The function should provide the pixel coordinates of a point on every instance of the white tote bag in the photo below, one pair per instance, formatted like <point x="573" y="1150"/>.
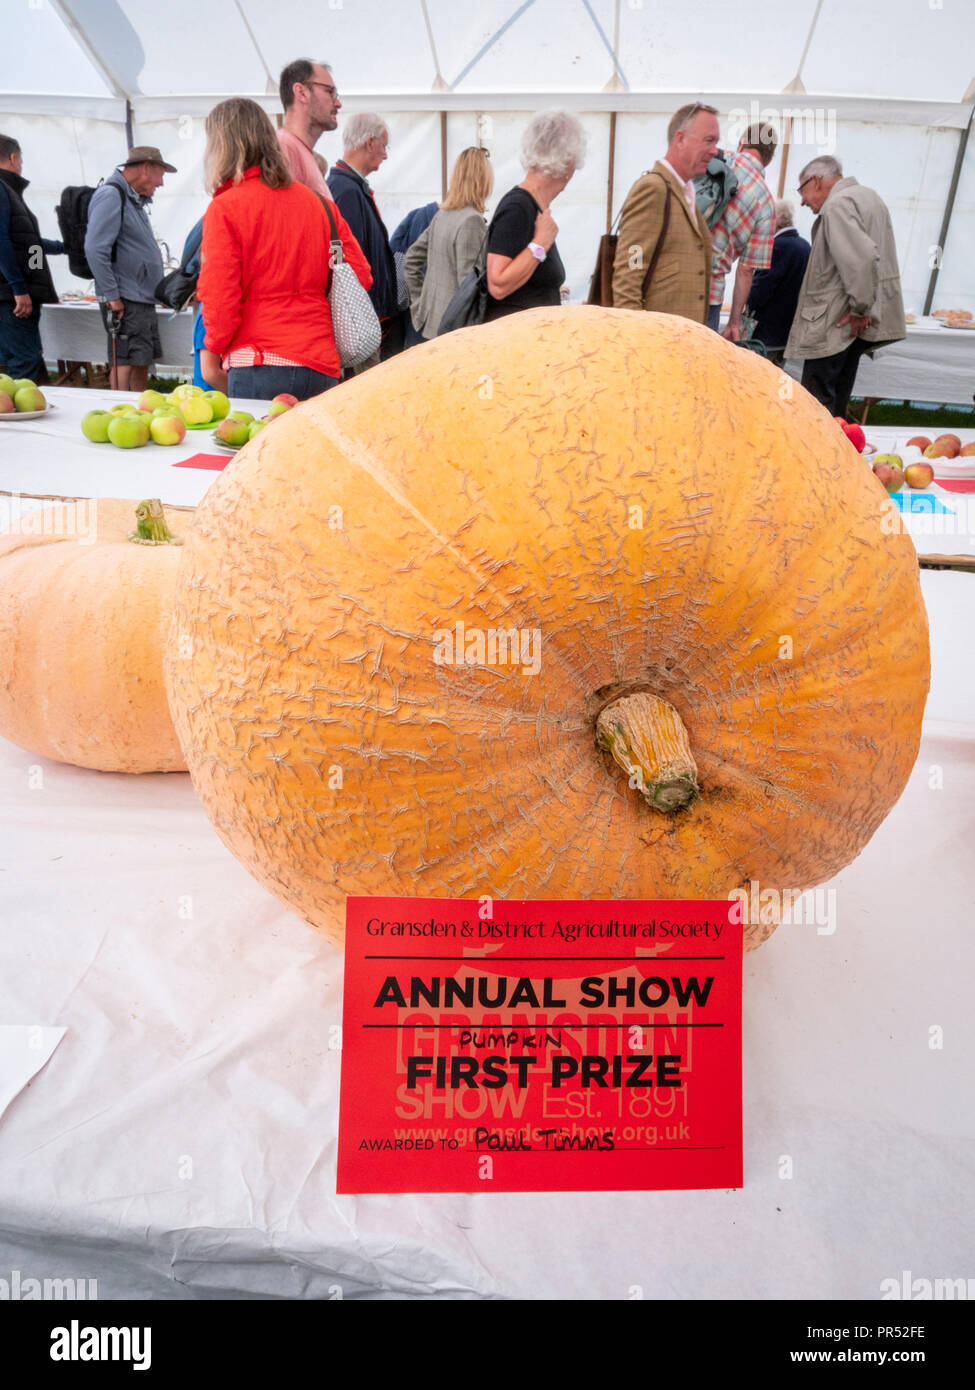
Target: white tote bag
<point x="355" y="324"/>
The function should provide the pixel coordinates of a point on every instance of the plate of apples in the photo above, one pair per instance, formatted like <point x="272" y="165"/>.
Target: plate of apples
<point x="21" y="400"/>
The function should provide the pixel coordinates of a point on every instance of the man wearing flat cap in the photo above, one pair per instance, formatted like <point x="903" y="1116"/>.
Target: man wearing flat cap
<point x="127" y="264"/>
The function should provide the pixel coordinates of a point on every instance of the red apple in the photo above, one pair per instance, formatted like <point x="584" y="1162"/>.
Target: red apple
<point x="967" y="450"/>
<point x="6" y="404"/>
<point x="233" y="432"/>
<point x="168" y="429"/>
<point x="921" y="441"/>
<point x="941" y="449"/>
<point x="285" y="399"/>
<point x="890" y="474"/>
<point x="919" y="475"/>
<point x="853" y="433"/>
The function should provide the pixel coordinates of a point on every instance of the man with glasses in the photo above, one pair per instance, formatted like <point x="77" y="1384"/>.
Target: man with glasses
<point x="364" y="139"/>
<point x="663" y="252"/>
<point x="850" y="302"/>
<point x="311" y="106"/>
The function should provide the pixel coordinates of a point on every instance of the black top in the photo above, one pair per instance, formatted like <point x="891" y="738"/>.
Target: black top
<point x="512" y="228"/>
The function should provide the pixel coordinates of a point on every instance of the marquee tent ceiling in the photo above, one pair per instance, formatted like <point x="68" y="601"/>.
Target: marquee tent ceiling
<point x="442" y="54"/>
<point x="888" y="85"/>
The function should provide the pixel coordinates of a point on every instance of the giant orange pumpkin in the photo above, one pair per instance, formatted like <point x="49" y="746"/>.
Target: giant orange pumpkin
<point x="416" y="616"/>
<point x="85" y="597"/>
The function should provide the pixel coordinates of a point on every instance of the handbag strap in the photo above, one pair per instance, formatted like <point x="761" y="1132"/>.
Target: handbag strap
<point x="661" y="238"/>
<point x="338" y="254"/>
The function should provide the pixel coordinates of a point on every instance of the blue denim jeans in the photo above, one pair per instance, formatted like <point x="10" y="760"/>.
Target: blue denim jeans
<point x="264" y="383"/>
<point x="20" y="345"/>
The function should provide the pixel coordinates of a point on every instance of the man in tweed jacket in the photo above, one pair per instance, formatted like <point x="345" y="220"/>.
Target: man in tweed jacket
<point x="681" y="279"/>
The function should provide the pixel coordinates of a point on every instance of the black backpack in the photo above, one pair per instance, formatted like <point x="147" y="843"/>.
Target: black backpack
<point x="72" y="214"/>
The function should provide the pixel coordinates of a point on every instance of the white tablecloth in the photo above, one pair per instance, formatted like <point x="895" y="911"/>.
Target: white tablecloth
<point x="180" y="1141"/>
<point x="75" y="333"/>
<point x="51" y="456"/>
<point x="933" y="363"/>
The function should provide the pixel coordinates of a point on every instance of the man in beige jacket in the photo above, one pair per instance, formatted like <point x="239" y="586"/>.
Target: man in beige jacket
<point x="850" y="299"/>
<point x="663" y="253"/>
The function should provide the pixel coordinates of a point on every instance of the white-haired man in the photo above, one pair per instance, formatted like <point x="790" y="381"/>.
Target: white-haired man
<point x="365" y="139"/>
<point x="311" y="106"/>
<point x="850" y="301"/>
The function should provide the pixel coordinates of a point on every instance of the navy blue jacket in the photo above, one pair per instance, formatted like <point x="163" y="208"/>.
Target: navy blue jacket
<point x="350" y="191"/>
<point x="775" y="292"/>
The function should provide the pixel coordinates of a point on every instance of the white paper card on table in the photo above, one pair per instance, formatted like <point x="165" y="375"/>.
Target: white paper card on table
<point x="24" y="1049"/>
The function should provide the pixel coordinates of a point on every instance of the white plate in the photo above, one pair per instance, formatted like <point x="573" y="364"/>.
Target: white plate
<point x="9" y="416"/>
<point x="227" y="448"/>
<point x="954" y="468"/>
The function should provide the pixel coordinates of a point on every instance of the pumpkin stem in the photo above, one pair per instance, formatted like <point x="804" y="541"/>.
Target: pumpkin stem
<point x="646" y="736"/>
<point x="150" y="525"/>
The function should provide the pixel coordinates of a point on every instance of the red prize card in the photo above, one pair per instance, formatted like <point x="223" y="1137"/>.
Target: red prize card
<point x="540" y="1046"/>
<point x="216" y="463"/>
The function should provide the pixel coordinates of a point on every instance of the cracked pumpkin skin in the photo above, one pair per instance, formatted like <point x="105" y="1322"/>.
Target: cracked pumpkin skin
<point x="490" y="478"/>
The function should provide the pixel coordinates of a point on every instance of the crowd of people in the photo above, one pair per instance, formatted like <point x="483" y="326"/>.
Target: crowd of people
<point x="264" y="248"/>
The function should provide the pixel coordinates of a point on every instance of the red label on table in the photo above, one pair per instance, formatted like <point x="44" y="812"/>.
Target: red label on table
<point x="550" y="1046"/>
<point x="216" y="462"/>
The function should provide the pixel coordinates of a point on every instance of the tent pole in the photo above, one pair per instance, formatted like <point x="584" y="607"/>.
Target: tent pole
<point x="443" y="155"/>
<point x="129" y="141"/>
<point x="787" y="136"/>
<point x="611" y="175"/>
<point x="949" y="207"/>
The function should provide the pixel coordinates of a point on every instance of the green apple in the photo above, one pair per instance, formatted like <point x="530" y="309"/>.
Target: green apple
<point x="124" y="408"/>
<point x="129" y="431"/>
<point x="150" y="401"/>
<point x="234" y="432"/>
<point x="255" y="427"/>
<point x="7" y="385"/>
<point x="219" y="403"/>
<point x="184" y="390"/>
<point x="276" y="408"/>
<point x="165" y="410"/>
<point x="195" y="410"/>
<point x="29" y="398"/>
<point x="244" y="415"/>
<point x="20" y="383"/>
<point x="95" y="425"/>
<point x="168" y="429"/>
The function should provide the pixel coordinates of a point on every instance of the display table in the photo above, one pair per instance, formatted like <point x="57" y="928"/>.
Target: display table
<point x="50" y="456"/>
<point x="74" y="332"/>
<point x="933" y="363"/>
<point x="178" y="1138"/>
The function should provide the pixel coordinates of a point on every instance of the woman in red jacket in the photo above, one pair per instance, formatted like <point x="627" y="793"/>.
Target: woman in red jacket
<point x="266" y="256"/>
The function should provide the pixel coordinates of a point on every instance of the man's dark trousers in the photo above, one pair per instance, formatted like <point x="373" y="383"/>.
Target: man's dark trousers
<point x="830" y="379"/>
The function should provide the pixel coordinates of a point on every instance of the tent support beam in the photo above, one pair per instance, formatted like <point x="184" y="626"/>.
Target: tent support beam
<point x="949" y="208"/>
<point x="611" y="173"/>
<point x="63" y="11"/>
<point x="443" y="155"/>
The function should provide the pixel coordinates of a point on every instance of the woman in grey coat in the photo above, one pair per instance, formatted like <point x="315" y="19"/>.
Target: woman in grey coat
<point x="438" y="261"/>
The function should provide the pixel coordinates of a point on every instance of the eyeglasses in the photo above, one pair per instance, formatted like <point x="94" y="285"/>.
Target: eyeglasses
<point x="805" y="181"/>
<point x="332" y="91"/>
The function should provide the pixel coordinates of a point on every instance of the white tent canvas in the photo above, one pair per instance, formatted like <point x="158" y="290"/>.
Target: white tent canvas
<point x="887" y="87"/>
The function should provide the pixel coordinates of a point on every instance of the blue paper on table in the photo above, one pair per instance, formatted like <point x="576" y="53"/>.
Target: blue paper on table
<point x="919" y="502"/>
